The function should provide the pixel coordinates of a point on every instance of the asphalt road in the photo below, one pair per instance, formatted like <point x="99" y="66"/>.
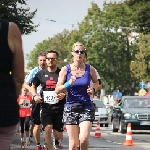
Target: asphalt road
<point x="107" y="141"/>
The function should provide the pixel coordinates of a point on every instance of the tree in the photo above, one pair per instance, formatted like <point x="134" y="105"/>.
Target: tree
<point x="141" y="65"/>
<point x="109" y="51"/>
<point x="140" y="14"/>
<point x="39" y="48"/>
<point x="13" y="10"/>
<point x="58" y="42"/>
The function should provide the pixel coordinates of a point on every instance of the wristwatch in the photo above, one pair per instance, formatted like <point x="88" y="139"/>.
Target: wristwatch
<point x="34" y="96"/>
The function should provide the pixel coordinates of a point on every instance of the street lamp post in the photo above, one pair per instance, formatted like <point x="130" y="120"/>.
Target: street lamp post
<point x="127" y="29"/>
<point x="130" y="39"/>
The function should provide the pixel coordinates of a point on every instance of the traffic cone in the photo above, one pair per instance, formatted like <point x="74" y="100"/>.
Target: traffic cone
<point x="128" y="141"/>
<point x="97" y="132"/>
<point x="65" y="128"/>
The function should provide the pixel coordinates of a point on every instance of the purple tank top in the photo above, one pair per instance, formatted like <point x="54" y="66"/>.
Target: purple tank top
<point x="78" y="90"/>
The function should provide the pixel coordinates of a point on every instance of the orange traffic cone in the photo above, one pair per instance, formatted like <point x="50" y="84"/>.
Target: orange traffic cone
<point x="128" y="141"/>
<point x="65" y="128"/>
<point x="97" y="132"/>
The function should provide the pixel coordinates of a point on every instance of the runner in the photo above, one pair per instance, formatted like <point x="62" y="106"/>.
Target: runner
<point x="52" y="104"/>
<point x="95" y="86"/>
<point x="79" y="111"/>
<point x="25" y="102"/>
<point x="36" y="107"/>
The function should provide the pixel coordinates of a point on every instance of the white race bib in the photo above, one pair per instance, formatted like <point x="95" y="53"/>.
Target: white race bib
<point x="50" y="97"/>
<point x="26" y="104"/>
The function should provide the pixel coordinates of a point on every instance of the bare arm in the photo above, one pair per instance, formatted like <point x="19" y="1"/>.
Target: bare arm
<point x="93" y="74"/>
<point x="37" y="98"/>
<point x="99" y="85"/>
<point x="61" y="79"/>
<point x="94" y="77"/>
<point x="15" y="44"/>
<point x="21" y="102"/>
<point x="33" y="89"/>
<point x="99" y="80"/>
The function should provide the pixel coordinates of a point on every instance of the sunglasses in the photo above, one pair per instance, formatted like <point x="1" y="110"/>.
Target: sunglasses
<point x="51" y="59"/>
<point x="79" y="51"/>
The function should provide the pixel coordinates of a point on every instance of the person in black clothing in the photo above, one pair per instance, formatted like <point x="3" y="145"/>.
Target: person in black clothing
<point x="11" y="80"/>
<point x="52" y="104"/>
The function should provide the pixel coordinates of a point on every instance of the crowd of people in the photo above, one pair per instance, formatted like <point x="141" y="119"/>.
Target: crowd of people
<point x="50" y="97"/>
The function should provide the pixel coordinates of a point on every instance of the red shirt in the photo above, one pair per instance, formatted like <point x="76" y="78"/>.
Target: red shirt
<point x="24" y="110"/>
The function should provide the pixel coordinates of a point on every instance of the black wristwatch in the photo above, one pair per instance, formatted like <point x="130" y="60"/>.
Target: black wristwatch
<point x="34" y="96"/>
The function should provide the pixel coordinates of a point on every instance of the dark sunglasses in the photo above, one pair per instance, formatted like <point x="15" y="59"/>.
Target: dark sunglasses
<point x="79" y="51"/>
<point x="51" y="59"/>
<point x="25" y="90"/>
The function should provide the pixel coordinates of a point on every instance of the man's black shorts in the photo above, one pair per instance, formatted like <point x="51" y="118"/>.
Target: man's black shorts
<point x="36" y="107"/>
<point x="50" y="116"/>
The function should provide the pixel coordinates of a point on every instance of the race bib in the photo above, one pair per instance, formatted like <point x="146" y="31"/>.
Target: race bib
<point x="26" y="104"/>
<point x="50" y="97"/>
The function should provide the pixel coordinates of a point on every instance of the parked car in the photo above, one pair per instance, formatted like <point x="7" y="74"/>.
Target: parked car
<point x="109" y="108"/>
<point x="101" y="113"/>
<point x="134" y="110"/>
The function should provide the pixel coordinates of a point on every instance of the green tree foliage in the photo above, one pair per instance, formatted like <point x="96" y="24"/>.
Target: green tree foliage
<point x="109" y="51"/>
<point x="140" y="14"/>
<point x="39" y="48"/>
<point x="58" y="42"/>
<point x="15" y="11"/>
<point x="141" y="65"/>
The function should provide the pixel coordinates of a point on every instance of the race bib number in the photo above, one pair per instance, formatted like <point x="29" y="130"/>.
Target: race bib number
<point x="26" y="104"/>
<point x="50" y="97"/>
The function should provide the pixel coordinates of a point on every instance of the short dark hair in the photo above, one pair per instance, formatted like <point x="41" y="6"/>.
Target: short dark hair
<point x="42" y="54"/>
<point x="53" y="51"/>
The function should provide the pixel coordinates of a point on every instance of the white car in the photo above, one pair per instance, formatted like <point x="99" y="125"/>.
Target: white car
<point x="109" y="108"/>
<point x="101" y="113"/>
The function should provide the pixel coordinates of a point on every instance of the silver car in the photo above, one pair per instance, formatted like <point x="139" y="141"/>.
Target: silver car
<point x="101" y="113"/>
<point x="109" y="108"/>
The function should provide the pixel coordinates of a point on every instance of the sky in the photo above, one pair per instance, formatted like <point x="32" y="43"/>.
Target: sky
<point x="66" y="13"/>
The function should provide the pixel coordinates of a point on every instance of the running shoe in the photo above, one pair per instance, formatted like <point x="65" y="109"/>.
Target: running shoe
<point x="58" y="144"/>
<point x="38" y="147"/>
<point x="78" y="148"/>
<point x="31" y="139"/>
<point x="55" y="143"/>
<point x="22" y="145"/>
<point x="27" y="143"/>
<point x="44" y="147"/>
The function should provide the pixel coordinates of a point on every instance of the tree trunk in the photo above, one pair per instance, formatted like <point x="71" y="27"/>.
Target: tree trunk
<point x="132" y="91"/>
